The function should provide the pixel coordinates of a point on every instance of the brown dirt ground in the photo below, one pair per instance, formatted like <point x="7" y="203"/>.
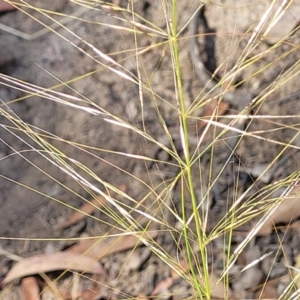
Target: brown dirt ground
<point x="49" y="60"/>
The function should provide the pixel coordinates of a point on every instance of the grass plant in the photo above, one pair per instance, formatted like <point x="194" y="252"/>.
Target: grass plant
<point x="157" y="209"/>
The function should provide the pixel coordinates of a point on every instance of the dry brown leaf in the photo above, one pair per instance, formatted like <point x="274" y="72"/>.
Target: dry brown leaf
<point x="4" y="6"/>
<point x="162" y="286"/>
<point x="218" y="290"/>
<point x="82" y="291"/>
<point x="109" y="245"/>
<point x="184" y="268"/>
<point x="30" y="289"/>
<point x="286" y="212"/>
<point x="295" y="272"/>
<point x="142" y="296"/>
<point x="209" y="110"/>
<point x="267" y="291"/>
<point x="53" y="262"/>
<point x="86" y="209"/>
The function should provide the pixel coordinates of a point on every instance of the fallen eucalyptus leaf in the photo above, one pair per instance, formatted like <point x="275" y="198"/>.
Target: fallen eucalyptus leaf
<point x="30" y="289"/>
<point x="53" y="262"/>
<point x="109" y="245"/>
<point x="287" y="211"/>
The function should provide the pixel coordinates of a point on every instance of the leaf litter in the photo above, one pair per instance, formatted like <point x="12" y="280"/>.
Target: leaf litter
<point x="109" y="245"/>
<point x="86" y="209"/>
<point x="287" y="211"/>
<point x="76" y="258"/>
<point x="44" y="263"/>
<point x="30" y="288"/>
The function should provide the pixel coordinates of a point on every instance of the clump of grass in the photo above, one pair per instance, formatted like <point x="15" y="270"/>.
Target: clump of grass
<point x="177" y="204"/>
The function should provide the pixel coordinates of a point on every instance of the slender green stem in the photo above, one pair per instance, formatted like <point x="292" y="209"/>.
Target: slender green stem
<point x="182" y="110"/>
